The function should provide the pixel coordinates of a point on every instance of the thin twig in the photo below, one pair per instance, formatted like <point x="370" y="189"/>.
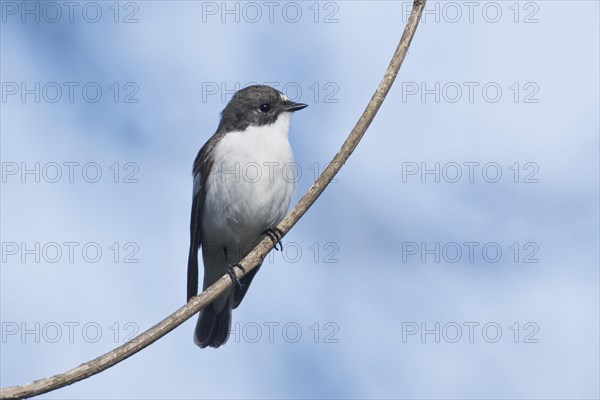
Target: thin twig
<point x="253" y="259"/>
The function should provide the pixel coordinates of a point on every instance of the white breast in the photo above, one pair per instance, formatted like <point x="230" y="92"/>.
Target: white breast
<point x="251" y="184"/>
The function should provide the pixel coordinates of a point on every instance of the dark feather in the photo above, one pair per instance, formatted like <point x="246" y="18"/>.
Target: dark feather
<point x="202" y="166"/>
<point x="212" y="328"/>
<point x="239" y="294"/>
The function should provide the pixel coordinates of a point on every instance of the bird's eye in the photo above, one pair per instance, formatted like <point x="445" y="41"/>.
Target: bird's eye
<point x="265" y="107"/>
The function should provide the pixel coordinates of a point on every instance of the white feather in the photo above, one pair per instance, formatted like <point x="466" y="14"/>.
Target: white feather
<point x="250" y="186"/>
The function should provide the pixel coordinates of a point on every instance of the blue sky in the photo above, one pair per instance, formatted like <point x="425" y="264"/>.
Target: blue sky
<point x="456" y="255"/>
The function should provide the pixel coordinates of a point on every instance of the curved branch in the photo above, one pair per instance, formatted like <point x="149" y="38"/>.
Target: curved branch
<point x="253" y="259"/>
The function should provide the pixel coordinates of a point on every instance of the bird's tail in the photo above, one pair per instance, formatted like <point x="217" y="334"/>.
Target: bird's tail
<point x="212" y="328"/>
<point x="214" y="321"/>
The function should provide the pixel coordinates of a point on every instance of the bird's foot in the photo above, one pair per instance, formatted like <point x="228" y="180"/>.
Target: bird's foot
<point x="234" y="278"/>
<point x="275" y="234"/>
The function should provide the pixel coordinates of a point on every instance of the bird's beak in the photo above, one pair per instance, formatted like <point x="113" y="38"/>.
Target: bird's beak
<point x="291" y="107"/>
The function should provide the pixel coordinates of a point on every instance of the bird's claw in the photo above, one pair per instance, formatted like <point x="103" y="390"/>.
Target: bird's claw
<point x="275" y="234"/>
<point x="234" y="278"/>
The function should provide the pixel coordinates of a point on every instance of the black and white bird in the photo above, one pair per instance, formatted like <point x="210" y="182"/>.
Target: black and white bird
<point x="242" y="190"/>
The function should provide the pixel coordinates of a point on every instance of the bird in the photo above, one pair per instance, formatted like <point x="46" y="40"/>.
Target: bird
<point x="241" y="191"/>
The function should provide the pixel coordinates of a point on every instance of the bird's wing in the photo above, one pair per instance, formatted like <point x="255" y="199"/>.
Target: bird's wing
<point x="202" y="167"/>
